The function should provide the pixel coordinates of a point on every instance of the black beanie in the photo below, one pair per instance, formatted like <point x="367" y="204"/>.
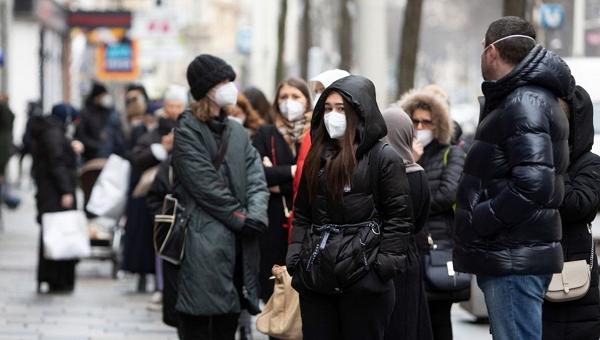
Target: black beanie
<point x="206" y="71"/>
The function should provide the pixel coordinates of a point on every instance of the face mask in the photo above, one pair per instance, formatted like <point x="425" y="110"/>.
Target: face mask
<point x="106" y="102"/>
<point x="317" y="96"/>
<point x="425" y="137"/>
<point x="240" y="120"/>
<point x="226" y="95"/>
<point x="292" y="110"/>
<point x="335" y="123"/>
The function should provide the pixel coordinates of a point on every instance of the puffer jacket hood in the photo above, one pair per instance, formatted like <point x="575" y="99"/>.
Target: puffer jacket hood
<point x="581" y="124"/>
<point x="440" y="112"/>
<point x="360" y="92"/>
<point x="539" y="68"/>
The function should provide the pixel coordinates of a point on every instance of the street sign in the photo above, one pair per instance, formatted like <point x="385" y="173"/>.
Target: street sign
<point x="551" y="16"/>
<point x="117" y="62"/>
<point x="1" y="58"/>
<point x="243" y="40"/>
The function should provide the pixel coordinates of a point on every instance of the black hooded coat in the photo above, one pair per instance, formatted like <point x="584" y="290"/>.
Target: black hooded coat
<point x="341" y="265"/>
<point x="578" y="319"/>
<point x="507" y="220"/>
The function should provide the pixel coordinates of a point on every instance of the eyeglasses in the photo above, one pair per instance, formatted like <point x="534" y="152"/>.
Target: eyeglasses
<point x="131" y="100"/>
<point x="425" y="123"/>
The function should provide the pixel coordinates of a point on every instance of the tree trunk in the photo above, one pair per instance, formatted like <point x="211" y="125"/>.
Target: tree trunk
<point x="280" y="40"/>
<point x="305" y="38"/>
<point x="409" y="46"/>
<point x="345" y="36"/>
<point x="515" y="8"/>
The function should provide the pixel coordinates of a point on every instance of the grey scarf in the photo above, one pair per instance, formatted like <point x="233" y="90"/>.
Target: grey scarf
<point x="400" y="135"/>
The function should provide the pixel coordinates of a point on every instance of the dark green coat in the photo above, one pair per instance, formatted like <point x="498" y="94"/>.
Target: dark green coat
<point x="222" y="200"/>
<point x="6" y="126"/>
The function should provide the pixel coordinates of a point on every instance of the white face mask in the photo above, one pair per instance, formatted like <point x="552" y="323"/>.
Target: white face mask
<point x="317" y="96"/>
<point x="425" y="137"/>
<point x="240" y="120"/>
<point x="335" y="123"/>
<point x="226" y="94"/>
<point x="292" y="110"/>
<point x="106" y="101"/>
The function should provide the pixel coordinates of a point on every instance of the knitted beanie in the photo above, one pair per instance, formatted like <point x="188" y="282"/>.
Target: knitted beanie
<point x="206" y="71"/>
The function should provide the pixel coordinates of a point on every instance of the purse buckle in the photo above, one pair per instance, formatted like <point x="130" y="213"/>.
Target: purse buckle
<point x="566" y="287"/>
<point x="450" y="267"/>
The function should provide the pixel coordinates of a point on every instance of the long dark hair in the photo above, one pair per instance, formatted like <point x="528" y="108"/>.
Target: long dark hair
<point x="339" y="168"/>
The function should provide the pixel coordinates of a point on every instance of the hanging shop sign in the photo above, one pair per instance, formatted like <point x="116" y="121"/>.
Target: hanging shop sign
<point x="551" y="16"/>
<point x="117" y="62"/>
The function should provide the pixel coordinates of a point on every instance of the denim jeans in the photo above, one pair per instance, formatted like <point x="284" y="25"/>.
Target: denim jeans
<point x="514" y="304"/>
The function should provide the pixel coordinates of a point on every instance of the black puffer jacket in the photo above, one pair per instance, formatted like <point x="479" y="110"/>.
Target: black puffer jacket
<point x="579" y="319"/>
<point x="340" y="264"/>
<point x="507" y="221"/>
<point x="443" y="165"/>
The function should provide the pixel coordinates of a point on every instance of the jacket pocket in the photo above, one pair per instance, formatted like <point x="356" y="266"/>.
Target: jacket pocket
<point x="358" y="251"/>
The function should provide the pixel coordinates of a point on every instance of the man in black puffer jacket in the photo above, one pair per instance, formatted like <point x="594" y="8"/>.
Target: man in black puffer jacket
<point x="507" y="225"/>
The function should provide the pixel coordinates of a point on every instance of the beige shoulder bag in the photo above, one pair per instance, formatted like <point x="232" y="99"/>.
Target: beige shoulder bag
<point x="281" y="316"/>
<point x="574" y="280"/>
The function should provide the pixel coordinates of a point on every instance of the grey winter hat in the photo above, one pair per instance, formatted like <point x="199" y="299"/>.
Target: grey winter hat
<point x="206" y="71"/>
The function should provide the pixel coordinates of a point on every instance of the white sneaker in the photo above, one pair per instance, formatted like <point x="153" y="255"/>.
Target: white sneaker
<point x="156" y="298"/>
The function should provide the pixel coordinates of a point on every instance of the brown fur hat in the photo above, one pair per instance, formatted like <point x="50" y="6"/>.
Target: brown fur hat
<point x="440" y="112"/>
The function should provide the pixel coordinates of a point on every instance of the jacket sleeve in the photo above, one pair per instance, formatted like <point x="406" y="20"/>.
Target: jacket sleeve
<point x="529" y="156"/>
<point x="394" y="200"/>
<point x="257" y="192"/>
<point x="194" y="170"/>
<point x="424" y="210"/>
<point x="82" y="134"/>
<point x="302" y="221"/>
<point x="141" y="155"/>
<point x="443" y="199"/>
<point x="53" y="144"/>
<point x="159" y="189"/>
<point x="582" y="197"/>
<point x="275" y="175"/>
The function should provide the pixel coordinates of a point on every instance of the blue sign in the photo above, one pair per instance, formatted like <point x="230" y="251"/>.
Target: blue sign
<point x="1" y="58"/>
<point x="552" y="16"/>
<point x="118" y="58"/>
<point x="243" y="40"/>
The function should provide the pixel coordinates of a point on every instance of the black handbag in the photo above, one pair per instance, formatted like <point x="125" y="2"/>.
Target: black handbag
<point x="170" y="226"/>
<point x="439" y="271"/>
<point x="169" y="234"/>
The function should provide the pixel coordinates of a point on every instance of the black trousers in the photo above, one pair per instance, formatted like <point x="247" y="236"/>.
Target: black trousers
<point x="441" y="323"/>
<point x="216" y="327"/>
<point x="353" y="315"/>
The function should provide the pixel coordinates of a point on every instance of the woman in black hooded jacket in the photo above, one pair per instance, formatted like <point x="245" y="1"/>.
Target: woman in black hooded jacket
<point x="353" y="218"/>
<point x="54" y="170"/>
<point x="578" y="319"/>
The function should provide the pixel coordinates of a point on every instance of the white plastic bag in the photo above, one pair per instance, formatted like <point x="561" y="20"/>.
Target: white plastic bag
<point x="109" y="194"/>
<point x="65" y="235"/>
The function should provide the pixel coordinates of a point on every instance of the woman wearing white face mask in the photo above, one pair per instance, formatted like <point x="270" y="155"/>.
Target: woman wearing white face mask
<point x="352" y="221"/>
<point x="443" y="164"/>
<point x="220" y="183"/>
<point x="278" y="145"/>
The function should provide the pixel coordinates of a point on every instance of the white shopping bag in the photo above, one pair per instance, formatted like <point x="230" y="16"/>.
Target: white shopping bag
<point x="65" y="235"/>
<point x="109" y="194"/>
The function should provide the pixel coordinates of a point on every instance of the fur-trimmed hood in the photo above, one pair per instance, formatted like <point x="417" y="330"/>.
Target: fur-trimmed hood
<point x="440" y="112"/>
